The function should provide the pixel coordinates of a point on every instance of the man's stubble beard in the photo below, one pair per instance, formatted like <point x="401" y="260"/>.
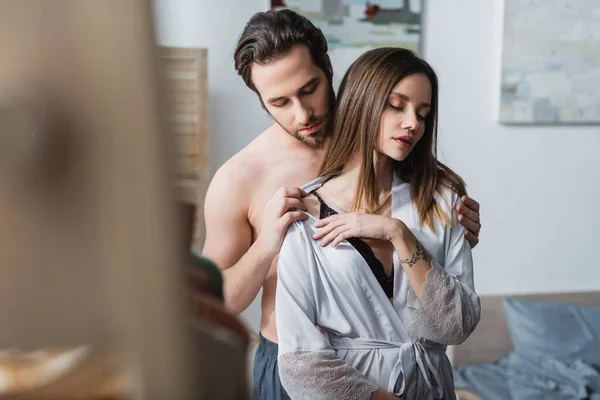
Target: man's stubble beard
<point x="316" y="139"/>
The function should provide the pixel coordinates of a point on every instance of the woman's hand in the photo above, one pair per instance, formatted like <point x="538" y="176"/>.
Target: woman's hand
<point x="340" y="227"/>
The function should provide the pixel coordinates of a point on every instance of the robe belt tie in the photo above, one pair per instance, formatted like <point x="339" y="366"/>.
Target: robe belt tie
<point x="411" y="353"/>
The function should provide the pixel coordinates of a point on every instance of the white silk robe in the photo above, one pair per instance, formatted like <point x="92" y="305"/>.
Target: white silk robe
<point x="340" y="337"/>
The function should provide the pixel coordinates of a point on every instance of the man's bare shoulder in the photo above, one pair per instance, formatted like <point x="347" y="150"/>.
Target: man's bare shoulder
<point x="244" y="171"/>
<point x="249" y="162"/>
<point x="264" y="148"/>
<point x="230" y="180"/>
<point x="256" y="158"/>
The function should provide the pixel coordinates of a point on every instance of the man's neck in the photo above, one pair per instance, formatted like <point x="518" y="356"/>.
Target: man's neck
<point x="290" y="142"/>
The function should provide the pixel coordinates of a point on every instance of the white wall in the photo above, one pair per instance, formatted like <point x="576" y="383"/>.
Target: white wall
<point x="537" y="185"/>
<point x="234" y="111"/>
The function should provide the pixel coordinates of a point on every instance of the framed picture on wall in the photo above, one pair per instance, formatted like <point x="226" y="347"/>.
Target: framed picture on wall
<point x="551" y="62"/>
<point x="352" y="27"/>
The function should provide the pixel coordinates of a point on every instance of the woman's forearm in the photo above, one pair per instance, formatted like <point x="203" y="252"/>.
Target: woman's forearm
<point x="414" y="259"/>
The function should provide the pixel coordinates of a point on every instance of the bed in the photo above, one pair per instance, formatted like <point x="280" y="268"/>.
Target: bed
<point x="483" y="362"/>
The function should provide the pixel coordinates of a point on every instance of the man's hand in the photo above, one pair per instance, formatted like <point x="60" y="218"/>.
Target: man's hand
<point x="280" y="211"/>
<point x="469" y="218"/>
<point x="231" y="238"/>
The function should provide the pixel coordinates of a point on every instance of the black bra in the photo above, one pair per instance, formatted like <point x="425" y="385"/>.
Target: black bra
<point x="386" y="282"/>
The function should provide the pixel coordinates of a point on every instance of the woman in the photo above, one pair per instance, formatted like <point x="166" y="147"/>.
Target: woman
<point x="378" y="280"/>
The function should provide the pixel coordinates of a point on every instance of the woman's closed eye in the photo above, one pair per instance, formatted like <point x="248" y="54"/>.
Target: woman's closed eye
<point x="400" y="107"/>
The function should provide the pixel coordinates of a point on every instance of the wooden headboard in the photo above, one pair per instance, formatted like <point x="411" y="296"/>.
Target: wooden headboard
<point x="491" y="339"/>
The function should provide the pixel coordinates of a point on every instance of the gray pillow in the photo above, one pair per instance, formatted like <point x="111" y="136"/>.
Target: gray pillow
<point x="564" y="332"/>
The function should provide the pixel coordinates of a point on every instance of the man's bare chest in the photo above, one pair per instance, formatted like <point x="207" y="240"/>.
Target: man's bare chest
<point x="270" y="183"/>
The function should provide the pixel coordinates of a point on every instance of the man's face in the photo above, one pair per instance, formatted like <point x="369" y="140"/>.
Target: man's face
<point x="297" y="94"/>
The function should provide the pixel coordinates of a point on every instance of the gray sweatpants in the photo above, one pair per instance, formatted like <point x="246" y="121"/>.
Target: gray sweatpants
<point x="267" y="385"/>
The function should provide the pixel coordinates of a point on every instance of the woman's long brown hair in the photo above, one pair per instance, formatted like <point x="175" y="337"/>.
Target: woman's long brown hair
<point x="362" y="98"/>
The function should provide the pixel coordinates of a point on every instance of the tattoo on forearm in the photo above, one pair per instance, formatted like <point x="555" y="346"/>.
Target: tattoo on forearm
<point x="420" y="254"/>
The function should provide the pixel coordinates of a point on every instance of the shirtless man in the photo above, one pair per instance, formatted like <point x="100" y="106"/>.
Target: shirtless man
<point x="254" y="196"/>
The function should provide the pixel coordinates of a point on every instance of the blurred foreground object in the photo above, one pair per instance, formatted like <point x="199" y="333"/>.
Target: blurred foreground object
<point x="90" y="243"/>
<point x="66" y="374"/>
<point x="206" y="293"/>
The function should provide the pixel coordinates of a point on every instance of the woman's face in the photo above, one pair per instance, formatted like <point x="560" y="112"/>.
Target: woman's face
<point x="403" y="120"/>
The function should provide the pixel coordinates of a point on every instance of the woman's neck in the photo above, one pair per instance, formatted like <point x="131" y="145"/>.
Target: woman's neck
<point x="345" y="183"/>
<point x="384" y="171"/>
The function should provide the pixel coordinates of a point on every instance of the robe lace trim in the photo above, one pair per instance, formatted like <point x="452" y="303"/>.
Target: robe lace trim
<point x="321" y="375"/>
<point x="444" y="312"/>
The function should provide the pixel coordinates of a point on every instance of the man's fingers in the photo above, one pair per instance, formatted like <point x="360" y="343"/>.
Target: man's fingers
<point x="470" y="225"/>
<point x="470" y="203"/>
<point x="294" y="192"/>
<point x="287" y="203"/>
<point x="292" y="216"/>
<point x="294" y="203"/>
<point x="468" y="213"/>
<point x="290" y="198"/>
<point x="473" y="240"/>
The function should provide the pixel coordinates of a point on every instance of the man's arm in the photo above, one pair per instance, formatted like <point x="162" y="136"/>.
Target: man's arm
<point x="228" y="242"/>
<point x="229" y="236"/>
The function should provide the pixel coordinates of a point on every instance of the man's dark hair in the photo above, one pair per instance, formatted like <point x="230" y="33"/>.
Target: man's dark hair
<point x="270" y="35"/>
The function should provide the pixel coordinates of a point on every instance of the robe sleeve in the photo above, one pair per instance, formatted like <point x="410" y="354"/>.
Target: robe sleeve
<point x="448" y="309"/>
<point x="309" y="367"/>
